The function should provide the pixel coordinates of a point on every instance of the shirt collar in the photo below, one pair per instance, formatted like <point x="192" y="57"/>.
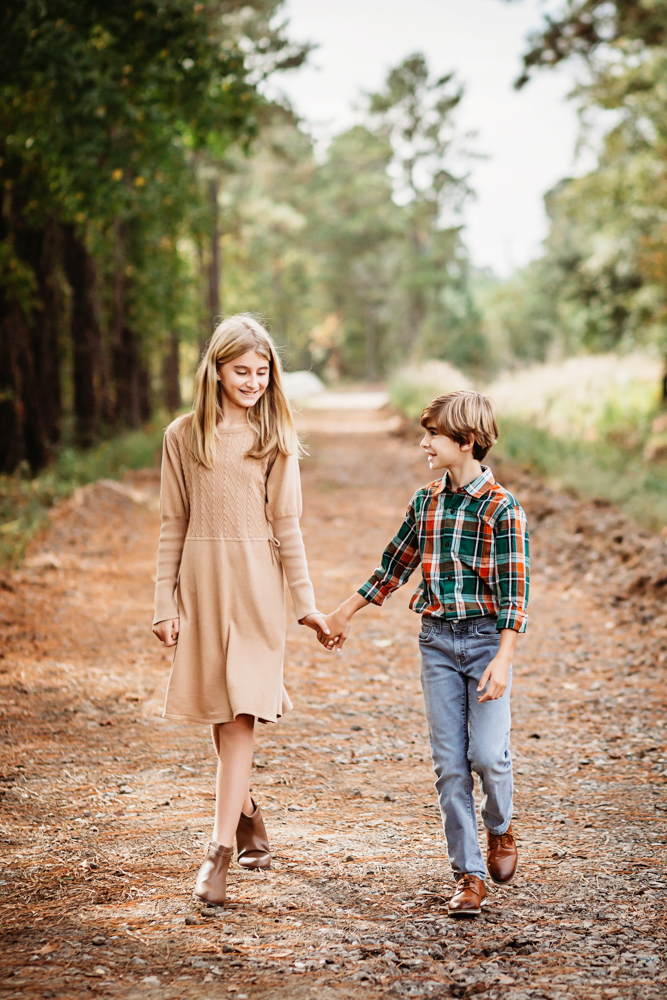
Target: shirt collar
<point x="477" y="488"/>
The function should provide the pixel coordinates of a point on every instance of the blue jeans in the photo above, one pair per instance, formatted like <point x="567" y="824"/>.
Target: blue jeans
<point x="466" y="736"/>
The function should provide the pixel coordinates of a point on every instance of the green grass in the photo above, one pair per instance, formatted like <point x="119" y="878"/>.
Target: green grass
<point x="25" y="501"/>
<point x="592" y="469"/>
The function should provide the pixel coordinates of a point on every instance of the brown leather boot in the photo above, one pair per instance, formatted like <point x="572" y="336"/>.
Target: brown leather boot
<point x="252" y="840"/>
<point x="211" y="884"/>
<point x="501" y="856"/>
<point x="469" y="896"/>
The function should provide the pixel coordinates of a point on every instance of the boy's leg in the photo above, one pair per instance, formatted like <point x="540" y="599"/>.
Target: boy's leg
<point x="490" y="722"/>
<point x="446" y="696"/>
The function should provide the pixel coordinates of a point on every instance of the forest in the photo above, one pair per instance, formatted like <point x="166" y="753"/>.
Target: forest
<point x="150" y="187"/>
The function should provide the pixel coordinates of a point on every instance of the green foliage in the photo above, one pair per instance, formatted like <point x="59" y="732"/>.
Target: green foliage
<point x="114" y="118"/>
<point x="602" y="281"/>
<point x="25" y="501"/>
<point x="356" y="259"/>
<point x="600" y="469"/>
<point x="585" y="27"/>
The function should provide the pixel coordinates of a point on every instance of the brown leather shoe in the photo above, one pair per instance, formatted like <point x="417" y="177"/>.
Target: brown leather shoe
<point x="469" y="897"/>
<point x="211" y="884"/>
<point x="252" y="840"/>
<point x="501" y="856"/>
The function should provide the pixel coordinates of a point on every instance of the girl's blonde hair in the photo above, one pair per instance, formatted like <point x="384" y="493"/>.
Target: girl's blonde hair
<point x="270" y="417"/>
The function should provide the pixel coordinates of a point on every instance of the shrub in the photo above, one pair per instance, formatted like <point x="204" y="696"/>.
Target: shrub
<point x="412" y="387"/>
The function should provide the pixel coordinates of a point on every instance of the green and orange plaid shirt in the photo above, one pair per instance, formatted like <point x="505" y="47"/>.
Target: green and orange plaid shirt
<point x="473" y="547"/>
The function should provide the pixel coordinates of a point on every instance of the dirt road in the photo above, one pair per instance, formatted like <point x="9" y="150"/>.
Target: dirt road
<point x="106" y="807"/>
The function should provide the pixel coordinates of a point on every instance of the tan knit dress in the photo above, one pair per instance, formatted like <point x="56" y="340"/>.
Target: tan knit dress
<point x="228" y="534"/>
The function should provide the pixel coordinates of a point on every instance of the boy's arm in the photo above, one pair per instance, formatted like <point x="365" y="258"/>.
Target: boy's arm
<point x="512" y="567"/>
<point x="512" y="563"/>
<point x="497" y="674"/>
<point x="399" y="560"/>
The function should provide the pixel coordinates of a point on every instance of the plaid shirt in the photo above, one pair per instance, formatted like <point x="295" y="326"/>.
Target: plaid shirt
<point x="473" y="547"/>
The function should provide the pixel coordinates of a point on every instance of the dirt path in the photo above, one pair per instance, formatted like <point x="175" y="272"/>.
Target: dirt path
<point x="107" y="807"/>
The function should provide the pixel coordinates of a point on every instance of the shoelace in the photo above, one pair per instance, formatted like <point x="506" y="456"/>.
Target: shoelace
<point x="465" y="882"/>
<point x="505" y="839"/>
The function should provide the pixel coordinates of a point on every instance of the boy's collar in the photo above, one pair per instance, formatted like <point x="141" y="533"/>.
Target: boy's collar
<point x="477" y="488"/>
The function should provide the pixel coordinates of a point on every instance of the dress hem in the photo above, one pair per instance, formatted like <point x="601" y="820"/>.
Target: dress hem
<point x="217" y="722"/>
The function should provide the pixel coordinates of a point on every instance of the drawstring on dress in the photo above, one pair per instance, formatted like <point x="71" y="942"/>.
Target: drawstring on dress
<point x="275" y="545"/>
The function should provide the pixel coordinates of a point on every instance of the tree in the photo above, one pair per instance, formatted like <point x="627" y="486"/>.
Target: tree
<point x="105" y="107"/>
<point x="590" y="28"/>
<point x="606" y="252"/>
<point x="416" y="114"/>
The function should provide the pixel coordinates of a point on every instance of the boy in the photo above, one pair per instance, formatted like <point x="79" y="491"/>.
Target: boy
<point x="471" y="538"/>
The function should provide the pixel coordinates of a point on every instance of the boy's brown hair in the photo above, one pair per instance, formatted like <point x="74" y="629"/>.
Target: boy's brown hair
<point x="462" y="413"/>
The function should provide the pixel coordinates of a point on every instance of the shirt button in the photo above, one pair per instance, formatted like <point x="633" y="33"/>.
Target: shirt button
<point x="451" y="607"/>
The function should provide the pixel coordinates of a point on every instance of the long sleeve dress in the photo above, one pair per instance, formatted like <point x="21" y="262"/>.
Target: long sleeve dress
<point x="230" y="535"/>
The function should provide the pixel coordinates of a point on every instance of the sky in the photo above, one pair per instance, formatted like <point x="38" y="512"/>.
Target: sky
<point x="528" y="138"/>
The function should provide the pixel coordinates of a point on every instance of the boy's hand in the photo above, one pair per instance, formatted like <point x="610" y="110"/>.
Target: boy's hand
<point x="497" y="676"/>
<point x="167" y="631"/>
<point x="316" y="621"/>
<point x="338" y="629"/>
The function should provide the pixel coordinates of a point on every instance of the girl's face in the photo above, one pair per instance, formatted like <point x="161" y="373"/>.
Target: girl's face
<point x="245" y="379"/>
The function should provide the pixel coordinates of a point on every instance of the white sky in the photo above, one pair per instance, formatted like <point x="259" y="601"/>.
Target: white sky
<point x="529" y="137"/>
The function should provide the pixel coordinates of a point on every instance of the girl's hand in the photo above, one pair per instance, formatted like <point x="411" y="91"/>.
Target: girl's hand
<point x="338" y="629"/>
<point x="167" y="631"/>
<point x="316" y="621"/>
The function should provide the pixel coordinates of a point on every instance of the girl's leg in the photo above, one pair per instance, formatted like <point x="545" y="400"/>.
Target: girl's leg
<point x="234" y="743"/>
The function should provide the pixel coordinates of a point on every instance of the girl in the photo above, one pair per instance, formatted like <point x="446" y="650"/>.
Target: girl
<point x="230" y="506"/>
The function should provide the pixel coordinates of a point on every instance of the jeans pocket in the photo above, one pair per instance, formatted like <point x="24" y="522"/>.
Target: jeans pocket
<point x="427" y="633"/>
<point x="487" y="630"/>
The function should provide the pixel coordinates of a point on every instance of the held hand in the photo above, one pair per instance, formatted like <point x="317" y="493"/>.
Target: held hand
<point x="338" y="629"/>
<point x="167" y="631"/>
<point x="497" y="676"/>
<point x="316" y="621"/>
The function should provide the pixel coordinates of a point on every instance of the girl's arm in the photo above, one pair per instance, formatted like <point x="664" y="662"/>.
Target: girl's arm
<point x="339" y="622"/>
<point x="175" y="512"/>
<point x="283" y="510"/>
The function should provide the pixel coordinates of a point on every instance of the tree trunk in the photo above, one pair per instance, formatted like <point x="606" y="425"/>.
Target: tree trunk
<point x="214" y="257"/>
<point x="87" y="348"/>
<point x="202" y="299"/>
<point x="170" y="375"/>
<point x="46" y="320"/>
<point x="23" y="435"/>
<point x="371" y="346"/>
<point x="131" y="378"/>
<point x="30" y="400"/>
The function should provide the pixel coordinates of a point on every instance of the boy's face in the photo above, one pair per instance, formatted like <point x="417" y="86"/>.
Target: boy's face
<point x="442" y="451"/>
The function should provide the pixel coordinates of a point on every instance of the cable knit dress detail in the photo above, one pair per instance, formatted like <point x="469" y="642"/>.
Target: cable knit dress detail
<point x="230" y="535"/>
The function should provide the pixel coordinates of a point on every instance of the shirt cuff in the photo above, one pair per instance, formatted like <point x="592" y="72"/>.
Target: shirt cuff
<point x="374" y="592"/>
<point x="514" y="618"/>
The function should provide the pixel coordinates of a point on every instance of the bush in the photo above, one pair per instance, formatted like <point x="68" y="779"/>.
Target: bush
<point x="589" y="468"/>
<point x="411" y="388"/>
<point x="25" y="501"/>
<point x="584" y="398"/>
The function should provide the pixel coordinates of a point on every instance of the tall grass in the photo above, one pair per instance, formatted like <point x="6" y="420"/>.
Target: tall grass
<point x="587" y="398"/>
<point x="412" y="387"/>
<point x="584" y="424"/>
<point x="25" y="501"/>
<point x="600" y="469"/>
